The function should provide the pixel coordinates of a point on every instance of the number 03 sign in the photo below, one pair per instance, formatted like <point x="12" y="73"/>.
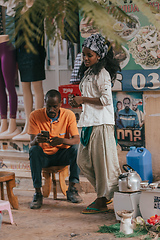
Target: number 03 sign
<point x="140" y="80"/>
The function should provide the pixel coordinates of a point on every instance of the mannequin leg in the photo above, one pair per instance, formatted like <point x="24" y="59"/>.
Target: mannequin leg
<point x="8" y="72"/>
<point x="28" y="103"/>
<point x="3" y="105"/>
<point x="28" y="106"/>
<point x="12" y="125"/>
<point x="39" y="95"/>
<point x="4" y="125"/>
<point x="3" y="102"/>
<point x="12" y="130"/>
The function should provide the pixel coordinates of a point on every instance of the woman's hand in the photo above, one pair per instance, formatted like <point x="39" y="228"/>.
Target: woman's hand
<point x="73" y="102"/>
<point x="78" y="100"/>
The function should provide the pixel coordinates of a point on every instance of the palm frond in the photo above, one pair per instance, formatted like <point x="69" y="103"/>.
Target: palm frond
<point x="61" y="18"/>
<point x="102" y="19"/>
<point x="28" y="26"/>
<point x="148" y="10"/>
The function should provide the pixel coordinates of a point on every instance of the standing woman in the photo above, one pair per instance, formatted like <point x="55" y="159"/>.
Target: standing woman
<point x="97" y="156"/>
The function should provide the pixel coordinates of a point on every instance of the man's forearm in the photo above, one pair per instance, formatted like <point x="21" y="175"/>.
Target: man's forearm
<point x="58" y="141"/>
<point x="34" y="141"/>
<point x="71" y="141"/>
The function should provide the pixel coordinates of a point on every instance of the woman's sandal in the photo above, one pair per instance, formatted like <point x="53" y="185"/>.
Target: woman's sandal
<point x="109" y="202"/>
<point x="90" y="210"/>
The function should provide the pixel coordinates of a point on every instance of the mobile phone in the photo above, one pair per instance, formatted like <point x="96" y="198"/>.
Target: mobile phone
<point x="45" y="133"/>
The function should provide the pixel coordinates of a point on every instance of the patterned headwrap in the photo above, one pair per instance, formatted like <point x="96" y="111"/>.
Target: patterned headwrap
<point x="96" y="43"/>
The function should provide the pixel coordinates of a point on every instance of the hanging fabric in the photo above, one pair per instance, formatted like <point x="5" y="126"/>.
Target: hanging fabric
<point x="1" y="23"/>
<point x="70" y="54"/>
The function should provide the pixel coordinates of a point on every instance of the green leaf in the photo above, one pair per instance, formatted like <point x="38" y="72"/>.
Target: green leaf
<point x="61" y="18"/>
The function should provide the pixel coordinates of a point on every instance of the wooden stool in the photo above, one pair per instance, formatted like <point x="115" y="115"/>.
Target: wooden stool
<point x="63" y="173"/>
<point x="9" y="178"/>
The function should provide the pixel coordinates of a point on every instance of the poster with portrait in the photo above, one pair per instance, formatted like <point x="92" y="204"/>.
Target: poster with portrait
<point x="129" y="119"/>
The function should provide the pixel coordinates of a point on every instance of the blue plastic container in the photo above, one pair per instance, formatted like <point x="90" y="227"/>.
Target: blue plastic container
<point x="140" y="160"/>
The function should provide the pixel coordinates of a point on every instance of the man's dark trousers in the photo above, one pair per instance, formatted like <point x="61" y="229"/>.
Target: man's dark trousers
<point x="63" y="157"/>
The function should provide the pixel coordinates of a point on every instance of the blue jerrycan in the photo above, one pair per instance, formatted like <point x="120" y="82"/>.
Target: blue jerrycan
<point x="140" y="160"/>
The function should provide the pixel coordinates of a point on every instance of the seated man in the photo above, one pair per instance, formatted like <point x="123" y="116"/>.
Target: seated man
<point x="59" y="149"/>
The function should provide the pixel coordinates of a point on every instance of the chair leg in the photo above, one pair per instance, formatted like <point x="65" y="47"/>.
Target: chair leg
<point x="10" y="213"/>
<point x="54" y="186"/>
<point x="2" y="191"/>
<point x="62" y="176"/>
<point x="46" y="188"/>
<point x="12" y="198"/>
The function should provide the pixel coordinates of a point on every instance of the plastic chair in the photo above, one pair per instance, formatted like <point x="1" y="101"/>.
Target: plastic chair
<point x="5" y="205"/>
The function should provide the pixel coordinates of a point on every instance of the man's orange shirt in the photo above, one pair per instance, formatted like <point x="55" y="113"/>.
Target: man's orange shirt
<point x="64" y="127"/>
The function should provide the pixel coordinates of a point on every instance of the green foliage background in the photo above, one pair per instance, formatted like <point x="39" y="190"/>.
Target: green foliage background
<point x="61" y="18"/>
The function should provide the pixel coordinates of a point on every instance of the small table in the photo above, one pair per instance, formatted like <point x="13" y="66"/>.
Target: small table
<point x="9" y="178"/>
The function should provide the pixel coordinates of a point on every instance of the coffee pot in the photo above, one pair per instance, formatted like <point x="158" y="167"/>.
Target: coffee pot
<point x="126" y="225"/>
<point x="129" y="181"/>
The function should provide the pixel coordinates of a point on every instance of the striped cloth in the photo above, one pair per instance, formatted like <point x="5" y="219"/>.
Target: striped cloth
<point x="74" y="79"/>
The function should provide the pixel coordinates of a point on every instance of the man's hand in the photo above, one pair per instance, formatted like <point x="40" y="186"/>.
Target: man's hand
<point x="40" y="138"/>
<point x="55" y="141"/>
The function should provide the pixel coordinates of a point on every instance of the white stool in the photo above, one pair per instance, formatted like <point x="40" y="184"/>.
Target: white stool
<point x="5" y="205"/>
<point x="126" y="201"/>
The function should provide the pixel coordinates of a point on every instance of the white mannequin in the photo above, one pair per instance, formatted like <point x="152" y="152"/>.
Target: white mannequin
<point x="28" y="95"/>
<point x="7" y="131"/>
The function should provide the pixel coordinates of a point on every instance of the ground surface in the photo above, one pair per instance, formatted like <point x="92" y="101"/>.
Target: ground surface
<point x="56" y="220"/>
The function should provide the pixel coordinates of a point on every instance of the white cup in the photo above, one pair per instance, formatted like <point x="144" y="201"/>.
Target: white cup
<point x="153" y="185"/>
<point x="144" y="184"/>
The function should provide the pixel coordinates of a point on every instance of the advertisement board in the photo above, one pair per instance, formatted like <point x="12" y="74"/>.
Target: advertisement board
<point x="139" y="57"/>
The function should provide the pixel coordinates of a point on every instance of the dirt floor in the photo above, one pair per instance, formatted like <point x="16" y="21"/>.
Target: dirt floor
<point x="57" y="219"/>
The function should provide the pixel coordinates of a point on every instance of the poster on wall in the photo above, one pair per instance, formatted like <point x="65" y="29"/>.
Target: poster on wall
<point x="139" y="57"/>
<point x="129" y="119"/>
